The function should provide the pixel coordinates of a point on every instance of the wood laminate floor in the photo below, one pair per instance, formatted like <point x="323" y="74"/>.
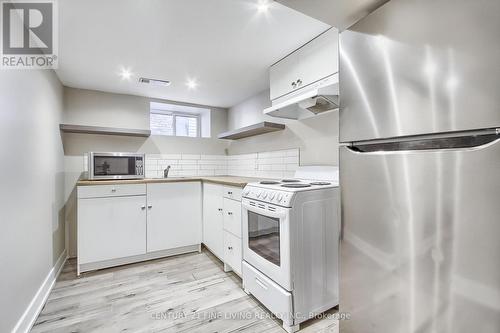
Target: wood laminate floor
<point x="187" y="293"/>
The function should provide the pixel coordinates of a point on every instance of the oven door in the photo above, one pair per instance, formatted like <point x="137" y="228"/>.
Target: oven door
<point x="116" y="166"/>
<point x="266" y="240"/>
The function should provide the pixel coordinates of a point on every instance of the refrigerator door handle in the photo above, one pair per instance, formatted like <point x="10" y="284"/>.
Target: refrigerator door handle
<point x="462" y="143"/>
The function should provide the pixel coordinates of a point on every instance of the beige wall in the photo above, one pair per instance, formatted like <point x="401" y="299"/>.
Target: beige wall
<point x="317" y="137"/>
<point x="88" y="107"/>
<point x="32" y="186"/>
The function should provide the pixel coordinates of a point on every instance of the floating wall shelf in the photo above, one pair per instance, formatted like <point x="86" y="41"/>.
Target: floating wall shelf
<point x="104" y="130"/>
<point x="257" y="129"/>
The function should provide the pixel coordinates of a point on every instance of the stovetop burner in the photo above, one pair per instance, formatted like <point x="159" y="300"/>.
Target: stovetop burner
<point x="296" y="185"/>
<point x="269" y="182"/>
<point x="290" y="180"/>
<point x="320" y="183"/>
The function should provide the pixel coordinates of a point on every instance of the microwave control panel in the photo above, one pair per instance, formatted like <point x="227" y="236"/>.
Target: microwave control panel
<point x="139" y="166"/>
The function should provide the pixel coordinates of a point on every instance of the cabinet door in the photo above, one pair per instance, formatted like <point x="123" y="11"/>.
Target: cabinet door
<point x="283" y="75"/>
<point x="213" y="219"/>
<point x="232" y="216"/>
<point x="232" y="251"/>
<point x="232" y="192"/>
<point x="174" y="215"/>
<point x="318" y="59"/>
<point x="111" y="228"/>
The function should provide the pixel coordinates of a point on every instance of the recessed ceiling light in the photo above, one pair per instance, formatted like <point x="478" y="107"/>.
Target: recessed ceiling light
<point x="263" y="6"/>
<point x="126" y="74"/>
<point x="155" y="82"/>
<point x="192" y="83"/>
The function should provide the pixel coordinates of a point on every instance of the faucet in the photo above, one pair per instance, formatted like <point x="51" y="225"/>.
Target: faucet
<point x="165" y="172"/>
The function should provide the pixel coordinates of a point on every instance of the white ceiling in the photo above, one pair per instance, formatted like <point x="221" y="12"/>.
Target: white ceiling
<point x="339" y="13"/>
<point x="226" y="45"/>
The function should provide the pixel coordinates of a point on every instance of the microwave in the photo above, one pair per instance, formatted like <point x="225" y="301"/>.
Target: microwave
<point x="115" y="166"/>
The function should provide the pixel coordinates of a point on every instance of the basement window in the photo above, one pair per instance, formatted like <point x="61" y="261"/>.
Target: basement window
<point x="179" y="120"/>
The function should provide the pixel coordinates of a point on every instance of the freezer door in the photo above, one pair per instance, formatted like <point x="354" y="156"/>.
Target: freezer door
<point x="420" y="248"/>
<point x="420" y="66"/>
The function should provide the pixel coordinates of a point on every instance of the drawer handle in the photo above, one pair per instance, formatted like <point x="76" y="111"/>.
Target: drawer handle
<point x="230" y="193"/>
<point x="260" y="283"/>
<point x="150" y="206"/>
<point x="229" y="247"/>
<point x="113" y="190"/>
<point x="220" y="209"/>
<point x="143" y="207"/>
<point x="229" y="213"/>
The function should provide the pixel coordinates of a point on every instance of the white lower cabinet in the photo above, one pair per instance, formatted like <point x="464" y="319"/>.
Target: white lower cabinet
<point x="222" y="224"/>
<point x="232" y="252"/>
<point x="213" y="235"/>
<point x="111" y="228"/>
<point x="121" y="224"/>
<point x="232" y="216"/>
<point x="174" y="215"/>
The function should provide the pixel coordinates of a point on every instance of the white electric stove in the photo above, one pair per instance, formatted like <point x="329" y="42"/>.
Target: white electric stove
<point x="291" y="233"/>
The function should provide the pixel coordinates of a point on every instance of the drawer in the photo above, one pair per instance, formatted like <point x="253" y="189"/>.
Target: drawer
<point x="268" y="292"/>
<point x="232" y="192"/>
<point x="232" y="216"/>
<point x="232" y="251"/>
<point x="102" y="191"/>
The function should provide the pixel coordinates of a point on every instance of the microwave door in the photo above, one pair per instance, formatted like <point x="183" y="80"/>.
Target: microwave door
<point x="114" y="166"/>
<point x="421" y="235"/>
<point x="118" y="167"/>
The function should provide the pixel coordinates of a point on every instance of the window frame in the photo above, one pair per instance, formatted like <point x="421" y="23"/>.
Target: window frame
<point x="174" y="115"/>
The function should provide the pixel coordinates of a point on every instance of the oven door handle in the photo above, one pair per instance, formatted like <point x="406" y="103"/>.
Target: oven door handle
<point x="282" y="213"/>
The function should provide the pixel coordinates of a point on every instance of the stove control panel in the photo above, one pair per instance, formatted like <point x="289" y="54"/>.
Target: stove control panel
<point x="279" y="198"/>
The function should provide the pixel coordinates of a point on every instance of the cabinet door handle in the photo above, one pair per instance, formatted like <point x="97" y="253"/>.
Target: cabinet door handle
<point x="220" y="209"/>
<point x="229" y="247"/>
<point x="299" y="82"/>
<point x="143" y="207"/>
<point x="113" y="190"/>
<point x="294" y="85"/>
<point x="230" y="193"/>
<point x="229" y="213"/>
<point x="150" y="206"/>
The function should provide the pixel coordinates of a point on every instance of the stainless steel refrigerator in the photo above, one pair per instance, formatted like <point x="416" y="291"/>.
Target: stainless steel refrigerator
<point x="420" y="168"/>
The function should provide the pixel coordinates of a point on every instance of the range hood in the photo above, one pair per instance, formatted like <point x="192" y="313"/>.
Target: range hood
<point x="317" y="98"/>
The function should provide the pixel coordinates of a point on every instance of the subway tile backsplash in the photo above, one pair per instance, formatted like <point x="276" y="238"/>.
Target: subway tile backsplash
<point x="273" y="164"/>
<point x="185" y="165"/>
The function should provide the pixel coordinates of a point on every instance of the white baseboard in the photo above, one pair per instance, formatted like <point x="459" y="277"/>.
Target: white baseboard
<point x="138" y="258"/>
<point x="31" y="314"/>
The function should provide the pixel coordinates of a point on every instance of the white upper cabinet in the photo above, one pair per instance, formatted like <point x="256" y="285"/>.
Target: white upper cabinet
<point x="314" y="61"/>
<point x="319" y="58"/>
<point x="283" y="76"/>
<point x="174" y="215"/>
